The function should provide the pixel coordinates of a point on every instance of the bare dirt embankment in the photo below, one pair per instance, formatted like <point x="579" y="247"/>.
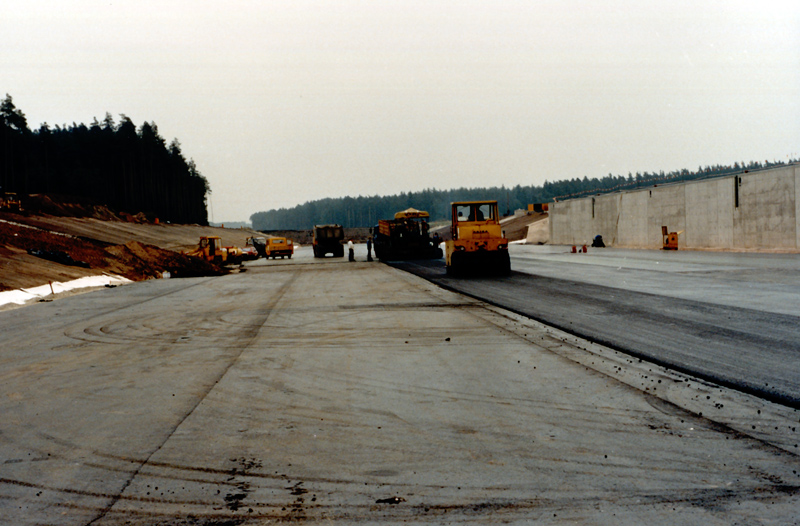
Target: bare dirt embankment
<point x="37" y="246"/>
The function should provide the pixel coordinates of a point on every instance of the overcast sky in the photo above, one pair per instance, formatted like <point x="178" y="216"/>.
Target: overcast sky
<point x="284" y="101"/>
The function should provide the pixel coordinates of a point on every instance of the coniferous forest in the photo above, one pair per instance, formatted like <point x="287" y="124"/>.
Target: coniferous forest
<point x="111" y="163"/>
<point x="133" y="170"/>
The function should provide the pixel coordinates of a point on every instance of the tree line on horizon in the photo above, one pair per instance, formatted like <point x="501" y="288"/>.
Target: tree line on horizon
<point x="130" y="169"/>
<point x="352" y="212"/>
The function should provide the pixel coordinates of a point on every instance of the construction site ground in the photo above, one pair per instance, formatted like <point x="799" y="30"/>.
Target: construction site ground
<point x="323" y="391"/>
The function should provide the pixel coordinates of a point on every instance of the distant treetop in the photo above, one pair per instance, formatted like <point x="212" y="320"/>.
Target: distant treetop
<point x="366" y="211"/>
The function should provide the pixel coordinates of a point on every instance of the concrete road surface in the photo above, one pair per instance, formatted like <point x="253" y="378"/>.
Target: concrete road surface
<point x="731" y="318"/>
<point x="322" y="391"/>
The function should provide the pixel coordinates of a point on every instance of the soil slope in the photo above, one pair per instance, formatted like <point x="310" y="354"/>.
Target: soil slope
<point x="35" y="249"/>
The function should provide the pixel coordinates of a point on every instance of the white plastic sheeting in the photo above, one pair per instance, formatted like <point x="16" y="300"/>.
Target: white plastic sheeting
<point x="22" y="296"/>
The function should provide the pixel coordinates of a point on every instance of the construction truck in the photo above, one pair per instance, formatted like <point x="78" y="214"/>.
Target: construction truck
<point x="210" y="248"/>
<point x="279" y="247"/>
<point x="327" y="239"/>
<point x="478" y="245"/>
<point x="405" y="237"/>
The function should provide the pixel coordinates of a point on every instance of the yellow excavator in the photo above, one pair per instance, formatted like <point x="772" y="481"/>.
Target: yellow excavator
<point x="478" y="245"/>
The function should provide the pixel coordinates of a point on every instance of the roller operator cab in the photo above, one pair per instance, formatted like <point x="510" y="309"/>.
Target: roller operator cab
<point x="477" y="245"/>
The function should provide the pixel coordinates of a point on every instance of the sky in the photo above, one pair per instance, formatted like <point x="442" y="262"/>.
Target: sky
<point x="280" y="102"/>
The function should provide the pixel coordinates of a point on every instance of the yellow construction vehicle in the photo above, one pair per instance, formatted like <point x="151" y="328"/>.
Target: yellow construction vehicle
<point x="11" y="202"/>
<point x="478" y="245"/>
<point x="406" y="236"/>
<point x="235" y="255"/>
<point x="669" y="239"/>
<point x="279" y="247"/>
<point x="210" y="248"/>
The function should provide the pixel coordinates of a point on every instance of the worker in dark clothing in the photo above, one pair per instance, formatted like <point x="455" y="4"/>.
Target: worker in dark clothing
<point x="369" y="249"/>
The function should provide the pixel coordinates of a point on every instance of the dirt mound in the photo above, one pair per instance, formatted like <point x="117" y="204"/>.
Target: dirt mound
<point x="62" y="238"/>
<point x="29" y="238"/>
<point x="67" y="206"/>
<point x="20" y="267"/>
<point x="140" y="261"/>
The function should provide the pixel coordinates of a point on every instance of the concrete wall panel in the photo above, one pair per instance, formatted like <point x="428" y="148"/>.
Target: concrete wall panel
<point x="777" y="226"/>
<point x="567" y="219"/>
<point x="759" y="210"/>
<point x="583" y="226"/>
<point x="797" y="206"/>
<point x="632" y="222"/>
<point x="666" y="206"/>
<point x="766" y="216"/>
<point x="709" y="216"/>
<point x="741" y="205"/>
<point x="604" y="220"/>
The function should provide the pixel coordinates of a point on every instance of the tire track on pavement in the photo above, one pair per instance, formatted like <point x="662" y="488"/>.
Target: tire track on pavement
<point x="246" y="340"/>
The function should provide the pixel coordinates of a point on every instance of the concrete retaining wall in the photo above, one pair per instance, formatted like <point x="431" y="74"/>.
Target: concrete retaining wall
<point x="756" y="210"/>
